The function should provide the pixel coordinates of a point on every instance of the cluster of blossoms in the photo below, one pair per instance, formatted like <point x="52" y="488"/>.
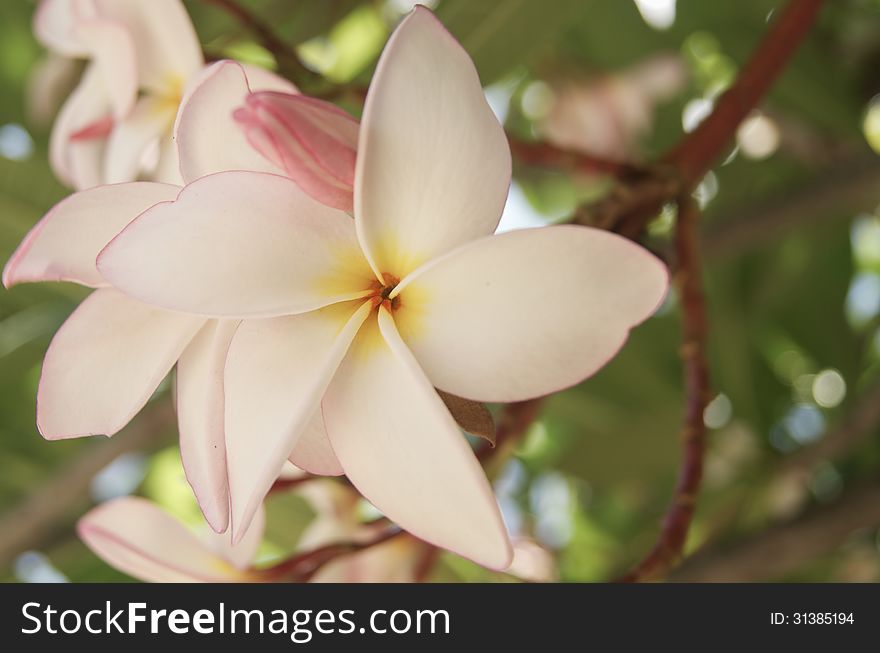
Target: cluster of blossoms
<point x="316" y="283"/>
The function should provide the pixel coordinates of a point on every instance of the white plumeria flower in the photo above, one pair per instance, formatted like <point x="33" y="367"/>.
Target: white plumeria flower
<point x="373" y="313"/>
<point x="113" y="351"/>
<point x="140" y="539"/>
<point x="144" y="56"/>
<point x="141" y="55"/>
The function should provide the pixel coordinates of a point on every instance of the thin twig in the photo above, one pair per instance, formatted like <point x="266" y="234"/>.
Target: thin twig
<point x="303" y="566"/>
<point x="695" y="153"/>
<point x="837" y="193"/>
<point x="782" y="548"/>
<point x="546" y="155"/>
<point x="426" y="563"/>
<point x="629" y="210"/>
<point x="283" y="484"/>
<point x="288" y="62"/>
<point x="669" y="546"/>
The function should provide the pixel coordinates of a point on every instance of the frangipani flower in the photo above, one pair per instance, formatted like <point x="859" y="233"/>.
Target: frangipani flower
<point x="113" y="351"/>
<point x="608" y="116"/>
<point x="141" y="55"/>
<point x="139" y="538"/>
<point x="372" y="314"/>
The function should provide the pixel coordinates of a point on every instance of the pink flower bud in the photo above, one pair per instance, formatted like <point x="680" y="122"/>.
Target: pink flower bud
<point x="313" y="141"/>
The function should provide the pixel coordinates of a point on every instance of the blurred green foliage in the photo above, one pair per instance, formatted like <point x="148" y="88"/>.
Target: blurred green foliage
<point x="592" y="478"/>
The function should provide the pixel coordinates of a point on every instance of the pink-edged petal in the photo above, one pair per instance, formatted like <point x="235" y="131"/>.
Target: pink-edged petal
<point x="206" y="113"/>
<point x="313" y="141"/>
<point x="313" y="452"/>
<point x="433" y="165"/>
<point x="527" y="312"/>
<point x="167" y="169"/>
<point x="148" y="122"/>
<point x="276" y="373"/>
<point x="200" y="418"/>
<point x="402" y="450"/>
<point x="105" y="362"/>
<point x="77" y="162"/>
<point x="55" y="22"/>
<point x="111" y="50"/>
<point x="242" y="554"/>
<point x="137" y="537"/>
<point x="166" y="43"/>
<point x="64" y="244"/>
<point x="239" y="244"/>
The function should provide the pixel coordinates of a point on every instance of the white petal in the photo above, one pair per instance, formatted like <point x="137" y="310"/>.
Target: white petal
<point x="527" y="312"/>
<point x="276" y="373"/>
<point x="313" y="452"/>
<point x="149" y="121"/>
<point x="200" y="418"/>
<point x="238" y="244"/>
<point x="105" y="362"/>
<point x="403" y="451"/>
<point x="112" y="52"/>
<point x="241" y="555"/>
<point x="167" y="46"/>
<point x="140" y="539"/>
<point x="206" y="112"/>
<point x="433" y="164"/>
<point x="55" y="23"/>
<point x="168" y="167"/>
<point x="77" y="162"/>
<point x="64" y="244"/>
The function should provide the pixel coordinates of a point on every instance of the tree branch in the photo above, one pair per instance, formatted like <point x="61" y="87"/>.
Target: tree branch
<point x="668" y="548"/>
<point x="550" y="156"/>
<point x="784" y="548"/>
<point x="303" y="566"/>
<point x="35" y="518"/>
<point x="630" y="209"/>
<point x="847" y="187"/>
<point x="693" y="157"/>
<point x="288" y="62"/>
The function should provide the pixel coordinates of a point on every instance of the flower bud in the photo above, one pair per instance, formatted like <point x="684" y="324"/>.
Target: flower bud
<point x="313" y="141"/>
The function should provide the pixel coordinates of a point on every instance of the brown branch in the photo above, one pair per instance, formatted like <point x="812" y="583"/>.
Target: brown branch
<point x="303" y="566"/>
<point x="426" y="563"/>
<point x="781" y="549"/>
<point x="630" y="209"/>
<point x="670" y="544"/>
<point x="36" y="517"/>
<point x="550" y="156"/>
<point x="837" y="193"/>
<point x="288" y="62"/>
<point x="693" y="157"/>
<point x="283" y="484"/>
